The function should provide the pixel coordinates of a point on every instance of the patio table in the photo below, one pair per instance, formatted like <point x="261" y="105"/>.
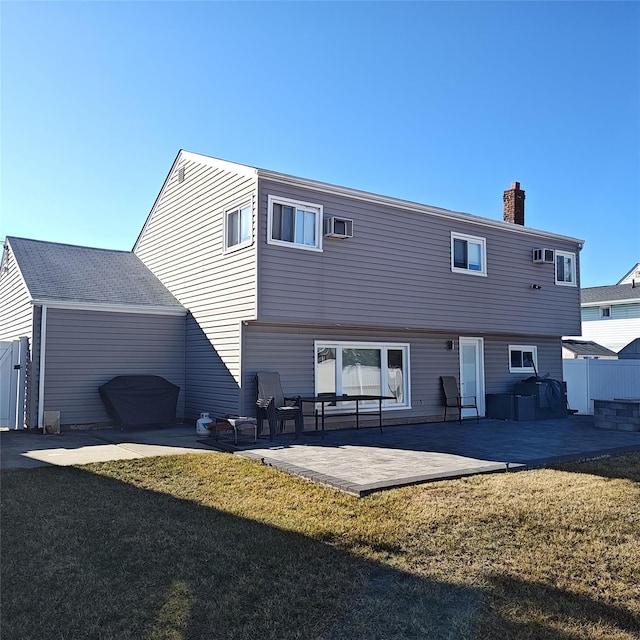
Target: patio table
<point x="324" y="399"/>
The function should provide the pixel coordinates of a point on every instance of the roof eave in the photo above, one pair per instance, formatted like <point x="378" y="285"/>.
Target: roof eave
<point x="409" y="205"/>
<point x="81" y="305"/>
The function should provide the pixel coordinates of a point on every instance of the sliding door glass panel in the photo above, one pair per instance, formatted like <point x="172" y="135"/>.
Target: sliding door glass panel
<point x="361" y="373"/>
<point x="326" y="370"/>
<point x="395" y="376"/>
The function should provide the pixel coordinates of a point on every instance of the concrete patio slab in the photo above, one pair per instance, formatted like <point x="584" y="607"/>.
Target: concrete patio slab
<point x="28" y="449"/>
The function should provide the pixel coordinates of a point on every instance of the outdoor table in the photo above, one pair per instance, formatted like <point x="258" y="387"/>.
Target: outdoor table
<point x="324" y="399"/>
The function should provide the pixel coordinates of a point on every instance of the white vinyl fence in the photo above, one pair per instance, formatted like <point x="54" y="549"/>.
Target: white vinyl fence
<point x="589" y="379"/>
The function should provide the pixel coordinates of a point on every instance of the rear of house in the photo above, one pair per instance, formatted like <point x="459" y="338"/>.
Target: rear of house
<point x="345" y="291"/>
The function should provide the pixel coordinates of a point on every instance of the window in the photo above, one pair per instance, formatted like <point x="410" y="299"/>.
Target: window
<point x="605" y="312"/>
<point x="566" y="268"/>
<point x="468" y="254"/>
<point x="523" y="359"/>
<point x="238" y="227"/>
<point x="364" y="368"/>
<point x="297" y="224"/>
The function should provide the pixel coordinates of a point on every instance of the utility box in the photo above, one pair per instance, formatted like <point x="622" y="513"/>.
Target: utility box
<point x="524" y="407"/>
<point x="500" y="406"/>
<point x="509" y="406"/>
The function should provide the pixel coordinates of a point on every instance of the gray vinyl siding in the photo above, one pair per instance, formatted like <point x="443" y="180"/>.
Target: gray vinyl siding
<point x="85" y="349"/>
<point x="396" y="271"/>
<point x="16" y="312"/>
<point x="183" y="245"/>
<point x="290" y="351"/>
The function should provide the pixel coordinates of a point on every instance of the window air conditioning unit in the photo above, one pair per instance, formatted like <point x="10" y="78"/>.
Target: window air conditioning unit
<point x="542" y="256"/>
<point x="338" y="227"/>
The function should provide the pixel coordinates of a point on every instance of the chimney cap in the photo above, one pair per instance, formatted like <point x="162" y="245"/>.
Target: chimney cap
<point x="515" y="185"/>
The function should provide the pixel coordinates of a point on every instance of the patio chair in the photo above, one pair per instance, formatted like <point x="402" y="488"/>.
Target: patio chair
<point x="452" y="398"/>
<point x="273" y="406"/>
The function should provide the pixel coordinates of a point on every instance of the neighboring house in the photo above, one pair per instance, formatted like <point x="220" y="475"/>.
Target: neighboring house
<point x="611" y="314"/>
<point x="342" y="290"/>
<point x="82" y="316"/>
<point x="631" y="351"/>
<point x="573" y="349"/>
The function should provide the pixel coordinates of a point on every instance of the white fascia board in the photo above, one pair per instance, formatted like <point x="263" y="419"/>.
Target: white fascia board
<point x="112" y="308"/>
<point x="608" y="303"/>
<point x="194" y="157"/>
<point x="408" y="205"/>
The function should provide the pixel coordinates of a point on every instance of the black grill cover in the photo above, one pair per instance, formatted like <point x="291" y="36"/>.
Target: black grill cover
<point x="140" y="400"/>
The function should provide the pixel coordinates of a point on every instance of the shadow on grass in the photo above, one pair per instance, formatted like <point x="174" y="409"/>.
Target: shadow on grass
<point x="86" y="556"/>
<point x="561" y="608"/>
<point x="622" y="466"/>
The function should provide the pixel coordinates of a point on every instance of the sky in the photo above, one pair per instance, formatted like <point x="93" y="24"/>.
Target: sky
<point x="443" y="103"/>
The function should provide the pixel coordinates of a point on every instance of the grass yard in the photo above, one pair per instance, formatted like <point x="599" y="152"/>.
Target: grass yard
<point x="216" y="546"/>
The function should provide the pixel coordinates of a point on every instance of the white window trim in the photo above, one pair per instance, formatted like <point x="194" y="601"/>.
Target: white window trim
<point x="237" y="207"/>
<point x="337" y="344"/>
<point x="475" y="239"/>
<point x="566" y="254"/>
<point x="603" y="316"/>
<point x="523" y="347"/>
<point x="295" y="203"/>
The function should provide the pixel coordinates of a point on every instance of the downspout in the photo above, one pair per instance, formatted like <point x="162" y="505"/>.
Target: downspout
<point x="22" y="372"/>
<point x="43" y="345"/>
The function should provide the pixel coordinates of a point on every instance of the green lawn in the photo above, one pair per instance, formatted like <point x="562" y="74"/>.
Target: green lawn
<point x="217" y="546"/>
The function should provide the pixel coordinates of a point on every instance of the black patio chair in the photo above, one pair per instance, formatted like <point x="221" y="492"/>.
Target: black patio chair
<point x="452" y="398"/>
<point x="273" y="406"/>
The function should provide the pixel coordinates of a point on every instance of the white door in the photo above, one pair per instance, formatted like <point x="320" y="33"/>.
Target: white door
<point x="8" y="383"/>
<point x="472" y="372"/>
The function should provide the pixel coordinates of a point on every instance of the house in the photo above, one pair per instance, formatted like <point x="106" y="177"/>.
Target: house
<point x="346" y="291"/>
<point x="611" y="314"/>
<point x="239" y="269"/>
<point x="631" y="351"/>
<point x="72" y="318"/>
<point x="573" y="349"/>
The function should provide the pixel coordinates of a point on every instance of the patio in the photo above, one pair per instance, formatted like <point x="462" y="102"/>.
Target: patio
<point x="362" y="461"/>
<point x="356" y="461"/>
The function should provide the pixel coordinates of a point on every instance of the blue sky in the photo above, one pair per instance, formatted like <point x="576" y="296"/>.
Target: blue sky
<point x="444" y="103"/>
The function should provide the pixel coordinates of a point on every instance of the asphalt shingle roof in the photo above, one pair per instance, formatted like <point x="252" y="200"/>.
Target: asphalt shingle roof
<point x="610" y="293"/>
<point x="63" y="272"/>
<point x="587" y="348"/>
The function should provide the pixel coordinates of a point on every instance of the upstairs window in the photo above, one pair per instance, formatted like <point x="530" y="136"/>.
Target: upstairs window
<point x="238" y="227"/>
<point x="297" y="224"/>
<point x="605" y="312"/>
<point x="566" y="268"/>
<point x="468" y="254"/>
<point x="523" y="358"/>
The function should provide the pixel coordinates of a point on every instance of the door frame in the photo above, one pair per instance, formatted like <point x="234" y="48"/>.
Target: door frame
<point x="478" y="344"/>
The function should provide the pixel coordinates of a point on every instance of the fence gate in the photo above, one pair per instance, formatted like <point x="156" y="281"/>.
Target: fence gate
<point x="12" y="383"/>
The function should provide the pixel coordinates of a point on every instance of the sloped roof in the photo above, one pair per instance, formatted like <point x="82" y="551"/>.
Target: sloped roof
<point x="328" y="188"/>
<point x="587" y="348"/>
<point x="611" y="293"/>
<point x="632" y="350"/>
<point x="634" y="272"/>
<point x="55" y="272"/>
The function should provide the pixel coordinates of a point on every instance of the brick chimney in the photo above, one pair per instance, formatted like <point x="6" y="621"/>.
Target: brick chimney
<point x="514" y="204"/>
